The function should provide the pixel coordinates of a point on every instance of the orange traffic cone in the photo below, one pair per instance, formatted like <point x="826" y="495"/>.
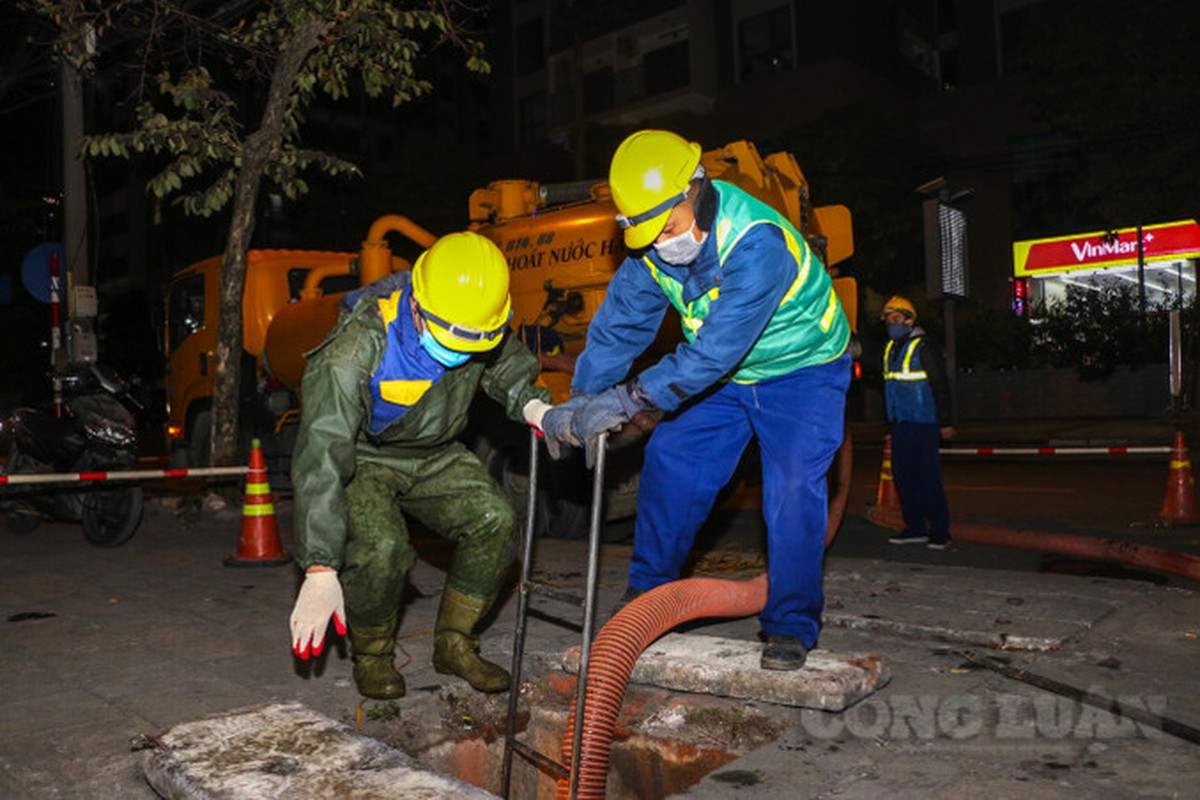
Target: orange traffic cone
<point x="259" y="544"/>
<point x="886" y="511"/>
<point x="1179" y="507"/>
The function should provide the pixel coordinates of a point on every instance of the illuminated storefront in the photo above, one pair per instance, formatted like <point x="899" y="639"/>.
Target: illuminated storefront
<point x="1044" y="269"/>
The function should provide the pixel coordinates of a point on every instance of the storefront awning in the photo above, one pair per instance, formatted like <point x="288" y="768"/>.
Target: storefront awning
<point x="1168" y="241"/>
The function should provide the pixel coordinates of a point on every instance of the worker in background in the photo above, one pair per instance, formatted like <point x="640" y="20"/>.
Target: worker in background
<point x="385" y="398"/>
<point x="765" y="355"/>
<point x="919" y="415"/>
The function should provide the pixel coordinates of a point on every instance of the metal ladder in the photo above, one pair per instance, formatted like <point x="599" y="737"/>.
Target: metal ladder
<point x="528" y="586"/>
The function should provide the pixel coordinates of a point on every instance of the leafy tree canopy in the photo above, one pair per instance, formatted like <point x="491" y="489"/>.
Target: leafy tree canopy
<point x="232" y="93"/>
<point x="199" y="118"/>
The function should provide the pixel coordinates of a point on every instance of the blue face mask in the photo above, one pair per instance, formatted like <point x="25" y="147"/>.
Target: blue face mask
<point x="440" y="353"/>
<point x="898" y="331"/>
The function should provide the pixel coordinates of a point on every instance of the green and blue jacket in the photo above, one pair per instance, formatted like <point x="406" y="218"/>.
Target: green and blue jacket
<point x="371" y="392"/>
<point x="756" y="304"/>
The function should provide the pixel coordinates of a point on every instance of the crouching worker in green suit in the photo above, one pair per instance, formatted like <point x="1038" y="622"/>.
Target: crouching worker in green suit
<point x="385" y="397"/>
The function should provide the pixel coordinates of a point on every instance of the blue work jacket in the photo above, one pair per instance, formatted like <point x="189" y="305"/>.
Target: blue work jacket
<point x="748" y="286"/>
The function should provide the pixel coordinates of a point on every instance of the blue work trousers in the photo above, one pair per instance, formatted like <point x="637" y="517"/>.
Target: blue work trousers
<point x="917" y="470"/>
<point x="798" y="420"/>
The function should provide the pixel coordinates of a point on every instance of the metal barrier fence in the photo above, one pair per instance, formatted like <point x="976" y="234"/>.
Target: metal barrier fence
<point x="122" y="475"/>
<point x="1052" y="451"/>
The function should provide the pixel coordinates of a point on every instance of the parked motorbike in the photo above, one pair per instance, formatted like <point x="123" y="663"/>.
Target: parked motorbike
<point x="96" y="433"/>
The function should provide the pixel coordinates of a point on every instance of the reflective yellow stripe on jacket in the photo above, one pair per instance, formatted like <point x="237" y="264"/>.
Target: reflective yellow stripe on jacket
<point x="906" y="372"/>
<point x="807" y="327"/>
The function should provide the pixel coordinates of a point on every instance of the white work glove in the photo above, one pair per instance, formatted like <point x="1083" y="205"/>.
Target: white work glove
<point x="319" y="599"/>
<point x="534" y="411"/>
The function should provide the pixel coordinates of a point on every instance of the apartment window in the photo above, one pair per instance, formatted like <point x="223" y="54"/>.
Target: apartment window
<point x="1016" y="27"/>
<point x="598" y="91"/>
<point x="531" y="47"/>
<point x="765" y="43"/>
<point x="531" y="119"/>
<point x="1044" y="168"/>
<point x="667" y="68"/>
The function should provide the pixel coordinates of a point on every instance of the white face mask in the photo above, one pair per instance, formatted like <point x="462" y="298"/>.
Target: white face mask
<point x="681" y="249"/>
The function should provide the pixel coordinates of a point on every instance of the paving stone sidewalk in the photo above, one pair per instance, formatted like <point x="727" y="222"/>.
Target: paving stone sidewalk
<point x="100" y="646"/>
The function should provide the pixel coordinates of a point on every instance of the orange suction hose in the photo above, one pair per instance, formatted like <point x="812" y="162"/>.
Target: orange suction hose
<point x="1174" y="562"/>
<point x="617" y="648"/>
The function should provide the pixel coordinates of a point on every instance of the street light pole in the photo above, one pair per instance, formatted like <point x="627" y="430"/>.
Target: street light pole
<point x="1141" y="261"/>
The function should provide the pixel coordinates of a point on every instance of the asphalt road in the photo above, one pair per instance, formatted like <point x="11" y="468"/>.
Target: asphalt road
<point x="1116" y="497"/>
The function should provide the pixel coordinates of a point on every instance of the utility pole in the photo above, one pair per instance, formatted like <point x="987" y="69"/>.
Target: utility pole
<point x="80" y="45"/>
<point x="75" y="237"/>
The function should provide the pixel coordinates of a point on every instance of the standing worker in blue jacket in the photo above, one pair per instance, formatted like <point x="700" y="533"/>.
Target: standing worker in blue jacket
<point x="920" y="415"/>
<point x="765" y="355"/>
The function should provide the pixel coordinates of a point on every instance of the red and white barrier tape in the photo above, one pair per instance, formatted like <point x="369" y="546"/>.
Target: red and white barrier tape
<point x="124" y="475"/>
<point x="1051" y="451"/>
<point x="216" y="472"/>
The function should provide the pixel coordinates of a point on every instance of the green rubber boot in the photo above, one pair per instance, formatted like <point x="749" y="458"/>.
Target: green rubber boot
<point x="374" y="652"/>
<point x="456" y="650"/>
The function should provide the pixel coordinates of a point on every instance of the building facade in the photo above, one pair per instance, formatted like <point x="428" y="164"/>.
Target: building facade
<point x="580" y="75"/>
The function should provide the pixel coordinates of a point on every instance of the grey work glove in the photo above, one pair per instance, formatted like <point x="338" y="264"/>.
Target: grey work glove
<point x="608" y="411"/>
<point x="556" y="424"/>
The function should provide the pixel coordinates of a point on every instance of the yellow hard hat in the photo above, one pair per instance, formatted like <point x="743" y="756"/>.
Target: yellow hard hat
<point x="901" y="304"/>
<point x="461" y="288"/>
<point x="649" y="176"/>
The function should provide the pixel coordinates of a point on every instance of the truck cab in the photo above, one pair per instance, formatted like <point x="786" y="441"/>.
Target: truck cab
<point x="275" y="279"/>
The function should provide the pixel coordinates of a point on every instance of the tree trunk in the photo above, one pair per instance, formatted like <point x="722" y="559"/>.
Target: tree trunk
<point x="226" y="394"/>
<point x="257" y="152"/>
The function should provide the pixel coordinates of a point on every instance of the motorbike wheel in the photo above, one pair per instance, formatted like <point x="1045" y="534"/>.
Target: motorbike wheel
<point x="111" y="516"/>
<point x="21" y="521"/>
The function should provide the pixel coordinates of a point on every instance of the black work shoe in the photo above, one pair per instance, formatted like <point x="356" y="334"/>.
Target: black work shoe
<point x="628" y="597"/>
<point x="784" y="653"/>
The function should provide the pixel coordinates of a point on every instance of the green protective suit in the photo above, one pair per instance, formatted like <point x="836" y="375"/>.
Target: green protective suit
<point x="351" y="486"/>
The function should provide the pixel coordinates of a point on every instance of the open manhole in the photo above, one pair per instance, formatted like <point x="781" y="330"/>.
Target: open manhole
<point x="664" y="741"/>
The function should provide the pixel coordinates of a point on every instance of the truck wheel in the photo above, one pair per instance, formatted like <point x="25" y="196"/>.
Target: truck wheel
<point x="569" y="519"/>
<point x="110" y="516"/>
<point x="199" y="446"/>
